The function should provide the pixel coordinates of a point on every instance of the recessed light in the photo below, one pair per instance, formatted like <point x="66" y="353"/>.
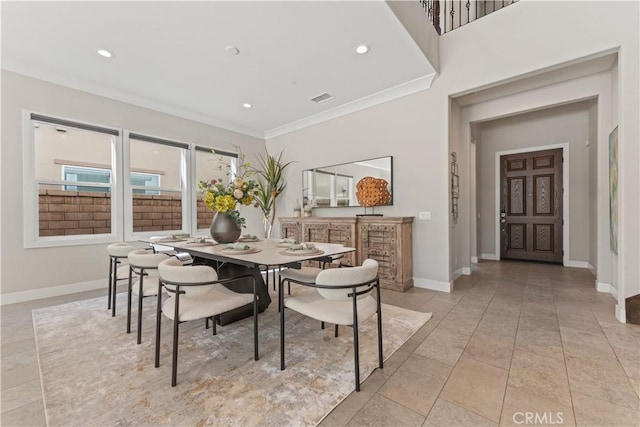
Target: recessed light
<point x="105" y="53"/>
<point x="247" y="105"/>
<point x="362" y="49"/>
<point x="232" y="50"/>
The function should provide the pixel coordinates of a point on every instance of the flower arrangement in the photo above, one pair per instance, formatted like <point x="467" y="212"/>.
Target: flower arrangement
<point x="221" y="197"/>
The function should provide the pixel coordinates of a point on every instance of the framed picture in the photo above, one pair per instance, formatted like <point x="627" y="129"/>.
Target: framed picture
<point x="613" y="190"/>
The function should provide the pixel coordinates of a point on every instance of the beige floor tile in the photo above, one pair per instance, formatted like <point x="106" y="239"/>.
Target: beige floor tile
<point x="522" y="408"/>
<point x="21" y="395"/>
<point x="417" y="383"/>
<point x="495" y="350"/>
<point x="25" y="346"/>
<point x="19" y="375"/>
<point x="31" y="415"/>
<point x="446" y="413"/>
<point x="443" y="345"/>
<point x="581" y="320"/>
<point x="586" y="342"/>
<point x="380" y="411"/>
<point x="601" y="379"/>
<point x="540" y="375"/>
<point x="598" y="413"/>
<point x="477" y="386"/>
<point x="541" y="341"/>
<point x="343" y="413"/>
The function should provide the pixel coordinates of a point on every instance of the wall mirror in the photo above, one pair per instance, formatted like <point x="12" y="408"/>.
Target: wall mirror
<point x="335" y="186"/>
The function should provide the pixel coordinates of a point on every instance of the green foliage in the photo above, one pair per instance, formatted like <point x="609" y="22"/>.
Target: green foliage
<point x="271" y="183"/>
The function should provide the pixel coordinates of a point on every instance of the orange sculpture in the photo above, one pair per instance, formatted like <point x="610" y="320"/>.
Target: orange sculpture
<point x="372" y="191"/>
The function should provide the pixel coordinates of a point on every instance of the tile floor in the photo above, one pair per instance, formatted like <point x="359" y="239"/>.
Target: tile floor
<point x="514" y="344"/>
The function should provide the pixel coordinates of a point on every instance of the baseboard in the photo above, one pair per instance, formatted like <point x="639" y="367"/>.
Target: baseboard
<point x="607" y="288"/>
<point x="577" y="264"/>
<point x="493" y="257"/>
<point x="474" y="260"/>
<point x="434" y="285"/>
<point x="621" y="314"/>
<point x="593" y="270"/>
<point x="34" y="294"/>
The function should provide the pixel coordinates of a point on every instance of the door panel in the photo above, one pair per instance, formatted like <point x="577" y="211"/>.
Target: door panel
<point x="531" y="206"/>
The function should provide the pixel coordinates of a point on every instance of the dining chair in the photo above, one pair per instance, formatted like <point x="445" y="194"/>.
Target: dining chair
<point x="197" y="293"/>
<point x="343" y="296"/>
<point x="308" y="274"/>
<point x="117" y="252"/>
<point x="145" y="265"/>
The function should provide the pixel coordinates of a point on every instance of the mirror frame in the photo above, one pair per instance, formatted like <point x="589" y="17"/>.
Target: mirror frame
<point x="304" y="189"/>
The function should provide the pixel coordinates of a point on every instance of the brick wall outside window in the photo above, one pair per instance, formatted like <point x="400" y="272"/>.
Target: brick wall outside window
<point x="64" y="213"/>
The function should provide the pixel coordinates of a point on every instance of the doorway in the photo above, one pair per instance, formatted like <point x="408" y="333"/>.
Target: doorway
<point x="531" y="206"/>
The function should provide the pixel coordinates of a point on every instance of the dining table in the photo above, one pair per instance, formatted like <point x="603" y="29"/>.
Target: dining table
<point x="230" y="262"/>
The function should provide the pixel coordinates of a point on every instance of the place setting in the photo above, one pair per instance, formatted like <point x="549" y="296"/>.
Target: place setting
<point x="173" y="238"/>
<point x="287" y="243"/>
<point x="299" y="249"/>
<point x="200" y="241"/>
<point x="249" y="238"/>
<point x="238" y="248"/>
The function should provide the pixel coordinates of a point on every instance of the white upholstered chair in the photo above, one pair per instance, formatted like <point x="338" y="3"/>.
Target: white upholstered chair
<point x="342" y="297"/>
<point x="117" y="252"/>
<point x="197" y="293"/>
<point x="145" y="265"/>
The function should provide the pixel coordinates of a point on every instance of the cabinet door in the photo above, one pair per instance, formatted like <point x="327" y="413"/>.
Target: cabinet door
<point x="379" y="242"/>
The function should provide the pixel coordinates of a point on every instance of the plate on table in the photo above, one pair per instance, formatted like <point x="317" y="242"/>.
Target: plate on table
<point x="285" y="245"/>
<point x="314" y="251"/>
<point x="198" y="244"/>
<point x="168" y="239"/>
<point x="248" y="239"/>
<point x="233" y="251"/>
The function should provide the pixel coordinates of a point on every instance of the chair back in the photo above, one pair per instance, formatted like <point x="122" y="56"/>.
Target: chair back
<point x="172" y="272"/>
<point x="346" y="276"/>
<point x="144" y="259"/>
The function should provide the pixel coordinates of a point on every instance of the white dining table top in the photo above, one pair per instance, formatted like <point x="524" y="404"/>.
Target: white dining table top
<point x="269" y="251"/>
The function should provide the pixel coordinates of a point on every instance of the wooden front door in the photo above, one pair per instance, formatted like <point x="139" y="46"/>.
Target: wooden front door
<point x="531" y="206"/>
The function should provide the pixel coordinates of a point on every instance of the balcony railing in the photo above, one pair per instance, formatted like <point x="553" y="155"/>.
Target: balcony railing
<point x="447" y="15"/>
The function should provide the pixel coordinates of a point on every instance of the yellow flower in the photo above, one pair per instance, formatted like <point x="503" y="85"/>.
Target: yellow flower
<point x="224" y="203"/>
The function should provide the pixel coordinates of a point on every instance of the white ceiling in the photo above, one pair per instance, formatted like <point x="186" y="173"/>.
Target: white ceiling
<point x="171" y="56"/>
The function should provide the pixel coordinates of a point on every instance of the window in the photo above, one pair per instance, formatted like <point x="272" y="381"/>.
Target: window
<point x="75" y="192"/>
<point x="88" y="174"/>
<point x="220" y="166"/>
<point x="66" y="204"/>
<point x="152" y="206"/>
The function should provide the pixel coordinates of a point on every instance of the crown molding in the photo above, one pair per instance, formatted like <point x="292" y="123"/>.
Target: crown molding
<point x="12" y="65"/>
<point x="404" y="89"/>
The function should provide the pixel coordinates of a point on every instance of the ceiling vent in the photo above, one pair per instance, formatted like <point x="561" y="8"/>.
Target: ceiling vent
<point x="321" y="98"/>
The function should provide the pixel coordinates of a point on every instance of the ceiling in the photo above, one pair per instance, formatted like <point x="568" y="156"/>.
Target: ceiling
<point x="171" y="56"/>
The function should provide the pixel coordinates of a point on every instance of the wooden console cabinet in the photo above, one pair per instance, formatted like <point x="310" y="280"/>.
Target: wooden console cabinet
<point x="388" y="240"/>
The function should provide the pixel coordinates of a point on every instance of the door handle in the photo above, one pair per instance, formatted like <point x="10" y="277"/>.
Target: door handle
<point x="503" y="220"/>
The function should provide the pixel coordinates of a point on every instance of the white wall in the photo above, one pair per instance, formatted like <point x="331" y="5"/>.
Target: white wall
<point x="37" y="269"/>
<point x="415" y="129"/>
<point x="564" y="124"/>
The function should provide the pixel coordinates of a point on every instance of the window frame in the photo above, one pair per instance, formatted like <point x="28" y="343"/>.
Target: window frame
<point x="31" y="217"/>
<point x="185" y="156"/>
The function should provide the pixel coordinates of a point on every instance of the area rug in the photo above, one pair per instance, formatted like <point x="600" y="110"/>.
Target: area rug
<point x="94" y="374"/>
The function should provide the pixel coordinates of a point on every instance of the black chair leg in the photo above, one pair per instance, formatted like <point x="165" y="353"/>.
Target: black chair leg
<point x="129" y="290"/>
<point x="110" y="281"/>
<point x="158" y="325"/>
<point x="113" y="287"/>
<point x="213" y="326"/>
<point x="140" y="309"/>
<point x="336" y="332"/>
<point x="356" y="354"/>
<point x="176" y="323"/>
<point x="281" y="305"/>
<point x="206" y="323"/>
<point x="174" y="361"/>
<point x="322" y="325"/>
<point x="381" y="362"/>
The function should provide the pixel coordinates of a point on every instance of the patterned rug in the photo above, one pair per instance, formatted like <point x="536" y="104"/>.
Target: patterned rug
<point x="94" y="374"/>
